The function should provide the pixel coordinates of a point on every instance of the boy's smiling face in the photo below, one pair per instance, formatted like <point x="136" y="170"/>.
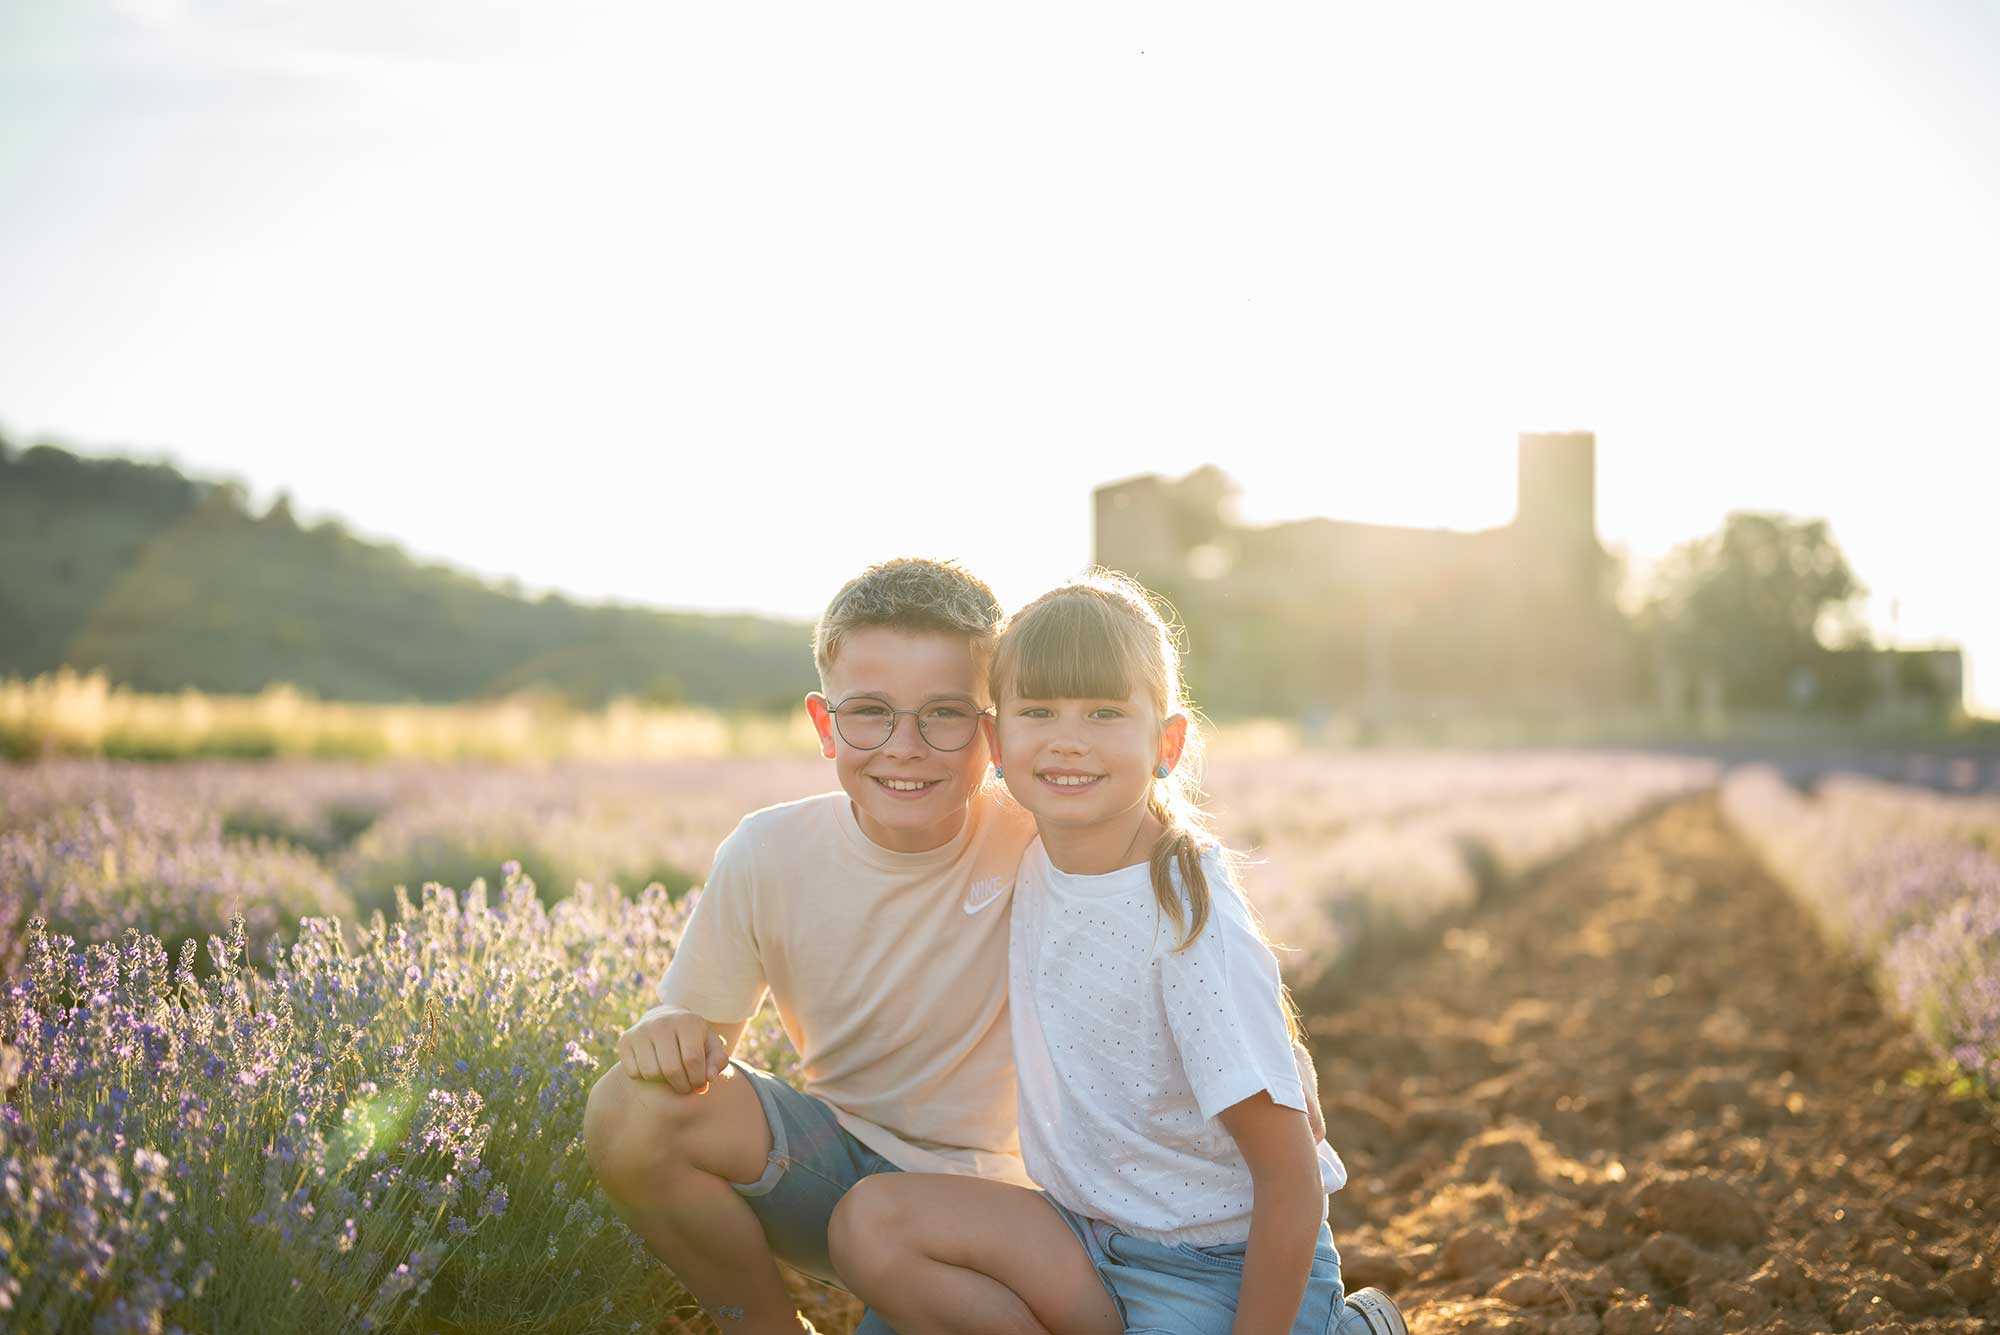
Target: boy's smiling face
<point x="908" y="796"/>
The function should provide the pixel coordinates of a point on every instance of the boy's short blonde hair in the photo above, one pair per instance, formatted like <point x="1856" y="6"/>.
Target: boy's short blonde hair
<point x="910" y="594"/>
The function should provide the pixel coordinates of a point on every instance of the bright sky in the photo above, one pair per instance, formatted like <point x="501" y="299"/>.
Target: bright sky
<point x="710" y="306"/>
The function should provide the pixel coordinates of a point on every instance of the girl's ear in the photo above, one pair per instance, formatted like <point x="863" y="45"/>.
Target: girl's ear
<point x="991" y="733"/>
<point x="1173" y="740"/>
<point x="822" y="717"/>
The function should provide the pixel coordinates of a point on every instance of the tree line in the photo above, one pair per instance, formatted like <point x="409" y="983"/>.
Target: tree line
<point x="166" y="581"/>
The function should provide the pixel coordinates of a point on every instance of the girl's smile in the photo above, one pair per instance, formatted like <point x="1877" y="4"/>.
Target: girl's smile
<point x="1068" y="782"/>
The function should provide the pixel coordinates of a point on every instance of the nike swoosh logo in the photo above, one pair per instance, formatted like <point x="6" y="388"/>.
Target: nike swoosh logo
<point x="984" y="892"/>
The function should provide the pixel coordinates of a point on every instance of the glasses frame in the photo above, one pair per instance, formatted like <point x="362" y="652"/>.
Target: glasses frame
<point x="895" y="713"/>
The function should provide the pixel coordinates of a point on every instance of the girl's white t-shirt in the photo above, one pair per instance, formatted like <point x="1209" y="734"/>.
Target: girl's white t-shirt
<point x="1126" y="1050"/>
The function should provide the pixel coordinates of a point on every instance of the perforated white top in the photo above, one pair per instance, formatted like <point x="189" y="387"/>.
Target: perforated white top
<point x="1127" y="1050"/>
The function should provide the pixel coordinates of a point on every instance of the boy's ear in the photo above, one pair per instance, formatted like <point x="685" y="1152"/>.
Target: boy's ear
<point x="1173" y="739"/>
<point x="822" y="717"/>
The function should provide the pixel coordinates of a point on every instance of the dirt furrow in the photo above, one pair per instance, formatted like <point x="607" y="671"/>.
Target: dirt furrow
<point x="1640" y="1094"/>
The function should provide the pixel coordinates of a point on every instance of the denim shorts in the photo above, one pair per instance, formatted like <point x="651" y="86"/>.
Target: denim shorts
<point x="1176" y="1288"/>
<point x="813" y="1162"/>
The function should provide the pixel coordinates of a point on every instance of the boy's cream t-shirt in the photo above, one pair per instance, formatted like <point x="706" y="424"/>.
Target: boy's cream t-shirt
<point x="889" y="972"/>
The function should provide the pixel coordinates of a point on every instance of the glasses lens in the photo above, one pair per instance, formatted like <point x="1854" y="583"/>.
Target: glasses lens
<point x="864" y="723"/>
<point x="948" y="727"/>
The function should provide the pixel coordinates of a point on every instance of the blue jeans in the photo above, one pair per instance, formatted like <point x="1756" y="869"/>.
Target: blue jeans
<point x="1169" y="1288"/>
<point x="812" y="1164"/>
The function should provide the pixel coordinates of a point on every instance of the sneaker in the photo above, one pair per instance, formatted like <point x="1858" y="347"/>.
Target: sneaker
<point x="1379" y="1310"/>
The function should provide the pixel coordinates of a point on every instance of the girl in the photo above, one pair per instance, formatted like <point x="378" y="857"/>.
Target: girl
<point x="1160" y="1107"/>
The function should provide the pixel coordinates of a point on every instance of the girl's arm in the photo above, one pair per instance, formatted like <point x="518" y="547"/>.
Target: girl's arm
<point x="1285" y="1216"/>
<point x="1309" y="1083"/>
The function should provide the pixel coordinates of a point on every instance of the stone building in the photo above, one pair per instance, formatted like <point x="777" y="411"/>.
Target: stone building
<point x="1318" y="618"/>
<point x="1322" y="616"/>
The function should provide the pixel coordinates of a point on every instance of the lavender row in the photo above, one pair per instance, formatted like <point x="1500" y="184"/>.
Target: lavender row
<point x="376" y="1131"/>
<point x="107" y="866"/>
<point x="1902" y="879"/>
<point x="95" y="847"/>
<point x="1321" y="894"/>
<point x="1318" y="795"/>
<point x="1972" y="819"/>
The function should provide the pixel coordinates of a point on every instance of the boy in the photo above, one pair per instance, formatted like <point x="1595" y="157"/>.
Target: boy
<point x="877" y="918"/>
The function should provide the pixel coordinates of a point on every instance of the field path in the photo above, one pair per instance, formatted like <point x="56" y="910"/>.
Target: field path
<point x="1639" y="1094"/>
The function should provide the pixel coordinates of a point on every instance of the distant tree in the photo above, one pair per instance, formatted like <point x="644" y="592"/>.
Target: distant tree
<point x="1761" y="603"/>
<point x="54" y="470"/>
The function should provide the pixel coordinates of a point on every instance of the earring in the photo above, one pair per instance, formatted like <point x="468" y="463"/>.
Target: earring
<point x="999" y="773"/>
<point x="1162" y="771"/>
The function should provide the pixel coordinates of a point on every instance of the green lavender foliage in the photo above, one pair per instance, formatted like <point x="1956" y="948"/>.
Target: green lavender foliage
<point x="378" y="1130"/>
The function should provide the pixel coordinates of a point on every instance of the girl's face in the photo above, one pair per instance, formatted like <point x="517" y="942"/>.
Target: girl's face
<point x="1078" y="763"/>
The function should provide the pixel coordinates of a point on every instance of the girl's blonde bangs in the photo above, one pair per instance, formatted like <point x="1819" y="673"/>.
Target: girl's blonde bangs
<point x="1074" y="647"/>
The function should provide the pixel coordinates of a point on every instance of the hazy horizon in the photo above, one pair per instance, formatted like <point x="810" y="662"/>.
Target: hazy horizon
<point x="613" y="303"/>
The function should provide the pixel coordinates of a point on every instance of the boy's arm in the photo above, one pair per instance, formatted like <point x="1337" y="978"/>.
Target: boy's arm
<point x="717" y="969"/>
<point x="1285" y="1214"/>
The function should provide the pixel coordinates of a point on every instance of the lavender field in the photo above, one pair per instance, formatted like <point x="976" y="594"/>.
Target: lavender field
<point x="305" y="1046"/>
<point x="1905" y="878"/>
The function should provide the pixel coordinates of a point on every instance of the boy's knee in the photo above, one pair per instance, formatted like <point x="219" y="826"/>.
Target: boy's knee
<point x="639" y="1135"/>
<point x="866" y="1235"/>
<point x="605" y="1116"/>
<point x="630" y="1132"/>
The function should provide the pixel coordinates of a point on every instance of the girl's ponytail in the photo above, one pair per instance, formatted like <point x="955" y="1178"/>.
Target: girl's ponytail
<point x="1178" y="846"/>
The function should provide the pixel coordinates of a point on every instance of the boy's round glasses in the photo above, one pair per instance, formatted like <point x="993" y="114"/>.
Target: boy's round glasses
<point x="866" y="722"/>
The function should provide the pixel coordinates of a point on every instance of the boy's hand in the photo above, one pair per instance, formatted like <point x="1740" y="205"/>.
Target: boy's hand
<point x="677" y="1047"/>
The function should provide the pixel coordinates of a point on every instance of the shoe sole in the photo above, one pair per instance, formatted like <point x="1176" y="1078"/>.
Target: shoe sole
<point x="1379" y="1310"/>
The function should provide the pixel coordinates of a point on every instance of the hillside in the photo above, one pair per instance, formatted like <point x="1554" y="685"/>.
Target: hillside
<point x="167" y="581"/>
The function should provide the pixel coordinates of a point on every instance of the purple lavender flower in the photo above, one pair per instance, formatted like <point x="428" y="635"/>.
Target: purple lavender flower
<point x="1907" y="879"/>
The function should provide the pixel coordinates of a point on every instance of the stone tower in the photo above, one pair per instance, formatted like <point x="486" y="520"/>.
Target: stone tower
<point x="1560" y="573"/>
<point x="1558" y="501"/>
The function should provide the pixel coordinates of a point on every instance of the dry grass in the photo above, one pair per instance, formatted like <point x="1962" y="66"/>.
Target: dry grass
<point x="68" y="713"/>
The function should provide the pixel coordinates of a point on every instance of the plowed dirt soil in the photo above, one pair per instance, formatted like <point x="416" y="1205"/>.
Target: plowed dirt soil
<point x="1639" y="1094"/>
